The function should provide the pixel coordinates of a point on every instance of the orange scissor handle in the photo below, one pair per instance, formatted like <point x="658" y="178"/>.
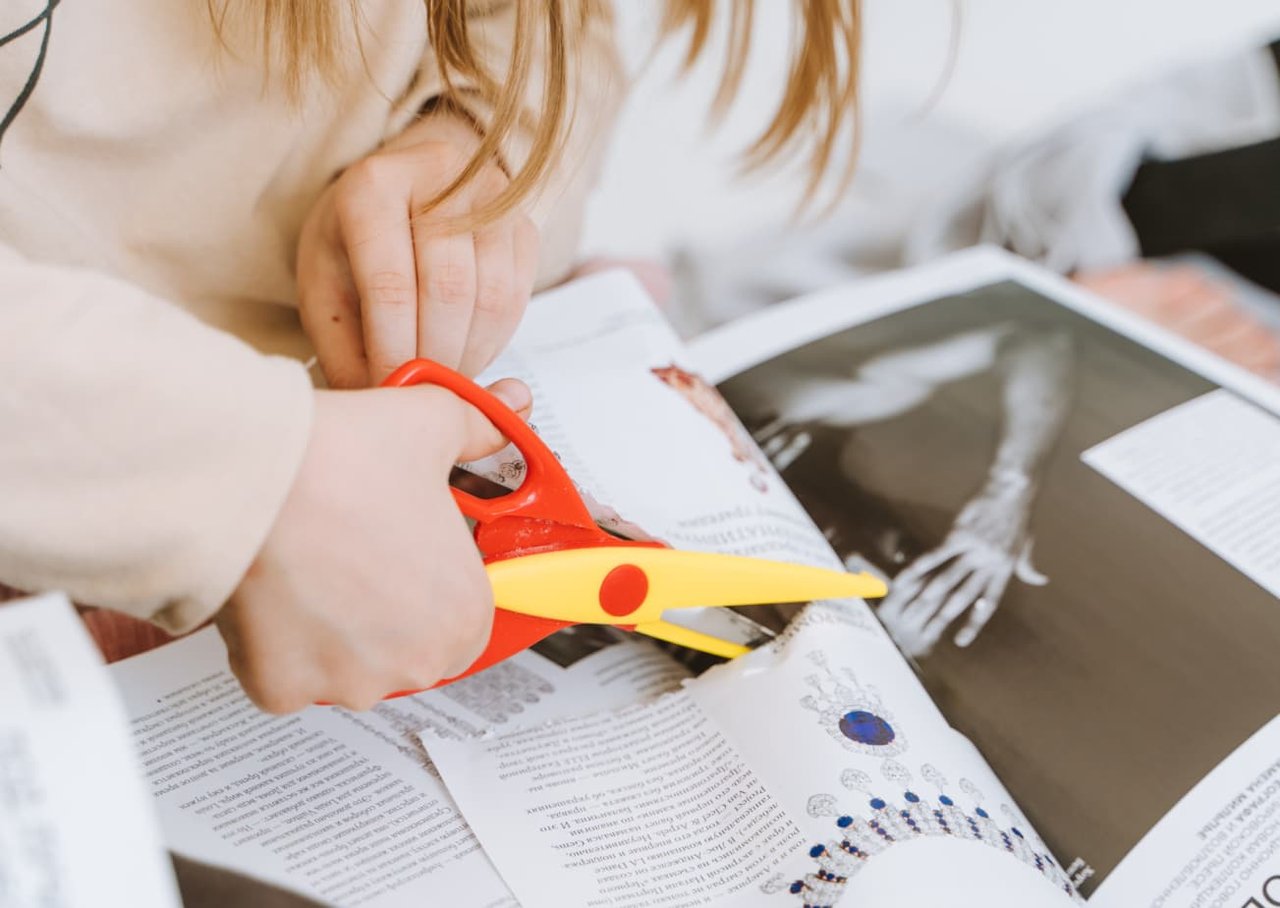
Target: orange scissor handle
<point x="544" y="512"/>
<point x="547" y="492"/>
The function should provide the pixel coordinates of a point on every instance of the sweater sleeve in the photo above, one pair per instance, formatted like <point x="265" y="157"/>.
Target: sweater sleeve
<point x="596" y="84"/>
<point x="143" y="454"/>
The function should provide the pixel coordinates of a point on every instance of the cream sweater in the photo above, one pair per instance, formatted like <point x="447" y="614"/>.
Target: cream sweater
<point x="153" y="403"/>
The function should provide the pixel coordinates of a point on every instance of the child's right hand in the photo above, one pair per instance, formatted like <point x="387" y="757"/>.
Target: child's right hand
<point x="369" y="581"/>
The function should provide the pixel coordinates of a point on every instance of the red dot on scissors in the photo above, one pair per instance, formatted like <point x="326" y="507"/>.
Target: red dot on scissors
<point x="623" y="590"/>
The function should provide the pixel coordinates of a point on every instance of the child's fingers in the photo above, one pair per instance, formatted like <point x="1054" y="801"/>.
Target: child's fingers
<point x="446" y="295"/>
<point x="480" y="437"/>
<point x="374" y="219"/>
<point x="330" y="312"/>
<point x="514" y="393"/>
<point x="499" y="302"/>
<point x="528" y="244"/>
<point x="280" y="682"/>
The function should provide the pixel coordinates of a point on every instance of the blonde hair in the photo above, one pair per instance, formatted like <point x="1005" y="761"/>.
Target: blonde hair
<point x="819" y="101"/>
<point x="300" y="38"/>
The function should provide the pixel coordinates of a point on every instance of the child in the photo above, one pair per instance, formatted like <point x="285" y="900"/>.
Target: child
<point x="174" y="179"/>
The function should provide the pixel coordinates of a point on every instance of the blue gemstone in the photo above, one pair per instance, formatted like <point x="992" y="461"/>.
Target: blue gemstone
<point x="982" y="813"/>
<point x="877" y="803"/>
<point x="844" y="822"/>
<point x="797" y="886"/>
<point x="912" y="797"/>
<point x="816" y="850"/>
<point x="1015" y="831"/>
<point x="945" y="800"/>
<point x="866" y="728"/>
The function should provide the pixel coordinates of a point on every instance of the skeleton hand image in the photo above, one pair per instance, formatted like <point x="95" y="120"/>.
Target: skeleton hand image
<point x="964" y="577"/>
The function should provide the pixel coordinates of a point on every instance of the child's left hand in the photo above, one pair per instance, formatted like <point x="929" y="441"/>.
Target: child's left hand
<point x="378" y="285"/>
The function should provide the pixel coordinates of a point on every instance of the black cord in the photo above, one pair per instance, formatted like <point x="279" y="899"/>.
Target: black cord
<point x="45" y="18"/>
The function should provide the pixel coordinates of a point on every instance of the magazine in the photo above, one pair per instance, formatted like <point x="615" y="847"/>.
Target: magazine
<point x="1066" y="694"/>
<point x="1109" y="500"/>
<point x="74" y="817"/>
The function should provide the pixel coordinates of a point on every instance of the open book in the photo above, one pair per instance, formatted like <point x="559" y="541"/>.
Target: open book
<point x="1068" y="694"/>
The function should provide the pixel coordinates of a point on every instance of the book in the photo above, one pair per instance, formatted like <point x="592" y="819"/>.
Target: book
<point x="1067" y="695"/>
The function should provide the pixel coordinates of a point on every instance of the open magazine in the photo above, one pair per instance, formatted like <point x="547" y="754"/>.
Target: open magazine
<point x="1078" y="516"/>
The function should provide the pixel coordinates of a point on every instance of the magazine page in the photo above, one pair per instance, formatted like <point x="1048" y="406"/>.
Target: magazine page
<point x="640" y="433"/>
<point x="656" y="444"/>
<point x="1211" y="467"/>
<point x="1220" y="846"/>
<point x="1077" y="512"/>
<point x="344" y="806"/>
<point x="653" y="447"/>
<point x="76" y="825"/>
<point x="788" y="776"/>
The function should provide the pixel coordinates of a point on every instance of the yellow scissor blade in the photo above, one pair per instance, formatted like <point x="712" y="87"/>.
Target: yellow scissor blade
<point x="683" y="636"/>
<point x="685" y="579"/>
<point x="566" y="585"/>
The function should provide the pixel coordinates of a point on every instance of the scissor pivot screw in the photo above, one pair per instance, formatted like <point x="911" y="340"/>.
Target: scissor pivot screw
<point x="623" y="590"/>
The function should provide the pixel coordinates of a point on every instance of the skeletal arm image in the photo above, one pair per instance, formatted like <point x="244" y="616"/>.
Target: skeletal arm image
<point x="989" y="541"/>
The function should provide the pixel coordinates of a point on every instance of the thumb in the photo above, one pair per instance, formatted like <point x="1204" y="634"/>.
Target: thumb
<point x="1026" y="571"/>
<point x="514" y="393"/>
<point x="480" y="437"/>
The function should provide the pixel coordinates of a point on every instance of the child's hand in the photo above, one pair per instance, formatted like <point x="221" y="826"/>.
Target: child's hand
<point x="378" y="285"/>
<point x="369" y="581"/>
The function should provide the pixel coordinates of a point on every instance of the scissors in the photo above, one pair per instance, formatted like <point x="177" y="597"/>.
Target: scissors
<point x="551" y="566"/>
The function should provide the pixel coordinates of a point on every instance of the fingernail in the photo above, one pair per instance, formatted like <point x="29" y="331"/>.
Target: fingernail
<point x="515" y="394"/>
